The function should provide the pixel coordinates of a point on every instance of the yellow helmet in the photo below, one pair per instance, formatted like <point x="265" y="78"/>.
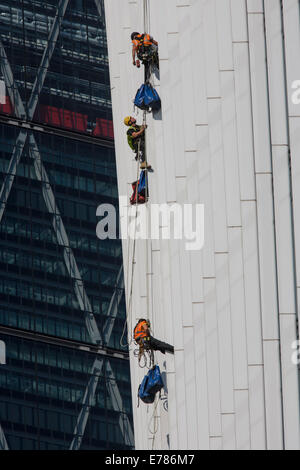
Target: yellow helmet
<point x="126" y="120"/>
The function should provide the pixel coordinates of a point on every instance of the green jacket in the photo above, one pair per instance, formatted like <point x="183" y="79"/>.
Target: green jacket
<point x="131" y="140"/>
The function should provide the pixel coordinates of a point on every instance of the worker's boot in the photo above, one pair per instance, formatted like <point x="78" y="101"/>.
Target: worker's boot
<point x="144" y="166"/>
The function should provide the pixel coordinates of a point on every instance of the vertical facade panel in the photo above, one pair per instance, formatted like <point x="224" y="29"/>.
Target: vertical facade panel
<point x="267" y="257"/>
<point x="190" y="387"/>
<point x="273" y="396"/>
<point x="201" y="377"/>
<point x="212" y="357"/>
<point x="211" y="49"/>
<point x="259" y="87"/>
<point x="206" y="199"/>
<point x="244" y="120"/>
<point x="217" y="175"/>
<point x="291" y="12"/>
<point x="230" y="148"/>
<point x="198" y="71"/>
<point x="187" y="93"/>
<point x="181" y="403"/>
<point x="225" y="336"/>
<point x="228" y="431"/>
<point x="252" y="283"/>
<point x="223" y="17"/>
<point x="238" y="321"/>
<point x="257" y="407"/>
<point x="290" y="383"/>
<point x="242" y="420"/>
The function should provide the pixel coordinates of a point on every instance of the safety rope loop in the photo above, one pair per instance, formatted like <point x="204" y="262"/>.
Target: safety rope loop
<point x="154" y="417"/>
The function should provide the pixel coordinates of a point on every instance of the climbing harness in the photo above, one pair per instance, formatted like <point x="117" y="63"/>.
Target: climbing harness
<point x="143" y="342"/>
<point x="145" y="356"/>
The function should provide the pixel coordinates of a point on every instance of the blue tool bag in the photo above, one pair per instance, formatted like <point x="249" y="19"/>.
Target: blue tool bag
<point x="142" y="182"/>
<point x="151" y="384"/>
<point x="146" y="98"/>
<point x="139" y="192"/>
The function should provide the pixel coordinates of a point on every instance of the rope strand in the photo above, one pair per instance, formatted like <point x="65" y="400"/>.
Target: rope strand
<point x="128" y="318"/>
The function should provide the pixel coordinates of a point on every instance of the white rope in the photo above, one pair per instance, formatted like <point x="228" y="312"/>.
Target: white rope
<point x="154" y="414"/>
<point x="128" y="318"/>
<point x="154" y="417"/>
<point x="146" y="17"/>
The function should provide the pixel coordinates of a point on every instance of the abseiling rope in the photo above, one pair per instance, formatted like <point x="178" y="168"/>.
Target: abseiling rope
<point x="146" y="18"/>
<point x="128" y="318"/>
<point x="154" y="416"/>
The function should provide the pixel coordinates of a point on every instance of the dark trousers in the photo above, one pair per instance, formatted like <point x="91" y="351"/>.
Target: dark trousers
<point x="140" y="156"/>
<point x="157" y="345"/>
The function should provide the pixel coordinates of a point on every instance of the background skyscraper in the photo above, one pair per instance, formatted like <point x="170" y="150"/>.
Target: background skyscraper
<point x="62" y="308"/>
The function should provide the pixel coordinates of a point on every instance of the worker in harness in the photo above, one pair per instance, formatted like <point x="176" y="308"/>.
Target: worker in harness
<point x="145" y="48"/>
<point x="136" y="140"/>
<point x="143" y="338"/>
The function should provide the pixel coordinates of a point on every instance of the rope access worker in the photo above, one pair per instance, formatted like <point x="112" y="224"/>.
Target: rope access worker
<point x="136" y="139"/>
<point x="145" y="47"/>
<point x="142" y="336"/>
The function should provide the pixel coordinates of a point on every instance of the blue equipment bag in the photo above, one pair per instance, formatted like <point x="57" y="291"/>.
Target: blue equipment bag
<point x="152" y="99"/>
<point x="140" y="192"/>
<point x="146" y="98"/>
<point x="143" y="394"/>
<point x="139" y="98"/>
<point x="151" y="384"/>
<point x="142" y="182"/>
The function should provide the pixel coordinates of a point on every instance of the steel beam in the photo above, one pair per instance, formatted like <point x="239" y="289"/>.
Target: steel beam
<point x="87" y="403"/>
<point x="124" y="422"/>
<point x="11" y="85"/>
<point x="11" y="171"/>
<point x="17" y="100"/>
<point x="63" y="241"/>
<point x="90" y="391"/>
<point x="45" y="62"/>
<point x="3" y="441"/>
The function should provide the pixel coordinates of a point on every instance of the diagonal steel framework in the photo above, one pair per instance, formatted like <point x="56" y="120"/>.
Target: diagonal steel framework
<point x="63" y="241"/>
<point x="58" y="224"/>
<point x="118" y="405"/>
<point x="89" y="395"/>
<point x="41" y="173"/>
<point x="17" y="101"/>
<point x="21" y="113"/>
<point x="3" y="442"/>
<point x="100" y="8"/>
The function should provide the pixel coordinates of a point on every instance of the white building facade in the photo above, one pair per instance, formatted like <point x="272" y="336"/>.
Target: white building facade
<point x="228" y="137"/>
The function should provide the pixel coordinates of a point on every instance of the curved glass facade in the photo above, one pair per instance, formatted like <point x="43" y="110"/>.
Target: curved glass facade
<point x="62" y="303"/>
